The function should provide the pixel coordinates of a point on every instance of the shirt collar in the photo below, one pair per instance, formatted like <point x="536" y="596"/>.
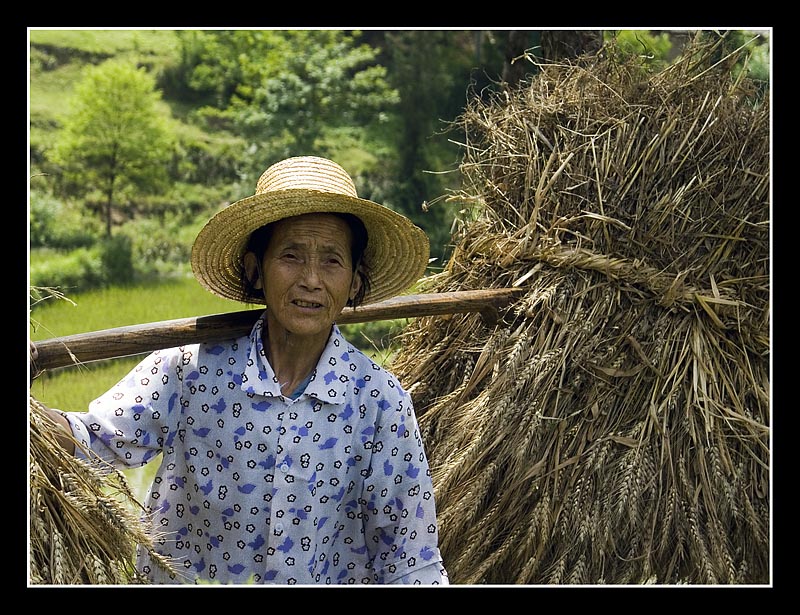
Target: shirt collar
<point x="329" y="381"/>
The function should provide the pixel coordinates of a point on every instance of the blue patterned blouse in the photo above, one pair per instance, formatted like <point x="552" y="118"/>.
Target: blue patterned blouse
<point x="332" y="487"/>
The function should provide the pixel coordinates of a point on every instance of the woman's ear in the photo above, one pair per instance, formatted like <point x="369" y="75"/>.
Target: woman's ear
<point x="252" y="269"/>
<point x="355" y="285"/>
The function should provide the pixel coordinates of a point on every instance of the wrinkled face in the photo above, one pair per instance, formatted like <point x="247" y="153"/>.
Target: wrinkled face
<point x="309" y="275"/>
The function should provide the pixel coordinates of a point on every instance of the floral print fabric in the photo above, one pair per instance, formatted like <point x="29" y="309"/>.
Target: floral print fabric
<point x="255" y="487"/>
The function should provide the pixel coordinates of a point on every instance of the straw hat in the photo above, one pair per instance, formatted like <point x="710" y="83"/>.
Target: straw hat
<point x="397" y="250"/>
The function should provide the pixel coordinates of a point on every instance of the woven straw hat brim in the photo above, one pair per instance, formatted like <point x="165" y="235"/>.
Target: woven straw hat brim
<point x="397" y="250"/>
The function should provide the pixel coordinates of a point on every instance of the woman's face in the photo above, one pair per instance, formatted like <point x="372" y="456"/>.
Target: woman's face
<point x="308" y="273"/>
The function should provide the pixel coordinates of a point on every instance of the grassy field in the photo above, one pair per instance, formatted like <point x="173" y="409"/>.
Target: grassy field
<point x="120" y="306"/>
<point x="52" y="81"/>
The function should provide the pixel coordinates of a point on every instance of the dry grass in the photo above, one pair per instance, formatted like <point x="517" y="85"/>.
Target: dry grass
<point x="613" y="427"/>
<point x="83" y="528"/>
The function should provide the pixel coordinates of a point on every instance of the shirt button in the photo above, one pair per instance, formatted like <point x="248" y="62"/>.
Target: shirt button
<point x="278" y="528"/>
<point x="284" y="467"/>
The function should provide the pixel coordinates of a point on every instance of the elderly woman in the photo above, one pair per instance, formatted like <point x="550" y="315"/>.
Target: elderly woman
<point x="287" y="455"/>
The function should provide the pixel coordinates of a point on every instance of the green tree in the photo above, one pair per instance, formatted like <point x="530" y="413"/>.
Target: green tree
<point x="114" y="143"/>
<point x="288" y="91"/>
<point x="330" y="81"/>
<point x="429" y="68"/>
<point x="215" y="65"/>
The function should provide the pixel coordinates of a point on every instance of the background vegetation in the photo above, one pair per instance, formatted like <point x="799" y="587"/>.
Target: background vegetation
<point x="138" y="136"/>
<point x="143" y="134"/>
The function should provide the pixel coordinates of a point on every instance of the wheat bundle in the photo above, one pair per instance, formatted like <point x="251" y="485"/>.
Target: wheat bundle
<point x="613" y="426"/>
<point x="84" y="528"/>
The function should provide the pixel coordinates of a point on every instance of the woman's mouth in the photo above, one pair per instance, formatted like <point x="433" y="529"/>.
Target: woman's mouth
<point x="306" y="304"/>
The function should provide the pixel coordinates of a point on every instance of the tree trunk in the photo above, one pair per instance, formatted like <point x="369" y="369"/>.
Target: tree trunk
<point x="569" y="44"/>
<point x="516" y="67"/>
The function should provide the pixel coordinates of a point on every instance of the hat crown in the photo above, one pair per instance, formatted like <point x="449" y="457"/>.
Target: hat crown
<point x="397" y="251"/>
<point x="306" y="173"/>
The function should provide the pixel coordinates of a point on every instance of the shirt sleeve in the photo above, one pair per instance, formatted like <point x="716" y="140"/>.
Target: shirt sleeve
<point x="133" y="421"/>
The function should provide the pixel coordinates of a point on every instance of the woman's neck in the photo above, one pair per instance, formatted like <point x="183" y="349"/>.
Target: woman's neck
<point x="292" y="357"/>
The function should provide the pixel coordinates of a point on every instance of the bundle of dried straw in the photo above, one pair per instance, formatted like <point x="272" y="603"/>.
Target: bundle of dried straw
<point x="613" y="426"/>
<point x="84" y="528"/>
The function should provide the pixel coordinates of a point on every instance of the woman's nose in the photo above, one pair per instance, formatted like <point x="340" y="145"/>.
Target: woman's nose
<point x="312" y="276"/>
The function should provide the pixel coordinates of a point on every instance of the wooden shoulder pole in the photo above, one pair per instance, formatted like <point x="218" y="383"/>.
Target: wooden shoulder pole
<point x="136" y="339"/>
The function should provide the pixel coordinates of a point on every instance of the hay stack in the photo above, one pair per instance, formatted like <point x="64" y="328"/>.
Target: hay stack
<point x="83" y="526"/>
<point x="613" y="426"/>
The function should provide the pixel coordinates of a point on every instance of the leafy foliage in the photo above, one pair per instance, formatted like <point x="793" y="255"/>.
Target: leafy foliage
<point x="116" y="256"/>
<point x="285" y="91"/>
<point x="652" y="49"/>
<point x="55" y="223"/>
<point x="114" y="142"/>
<point x="81" y="268"/>
<point x="380" y="102"/>
<point x="161" y="247"/>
